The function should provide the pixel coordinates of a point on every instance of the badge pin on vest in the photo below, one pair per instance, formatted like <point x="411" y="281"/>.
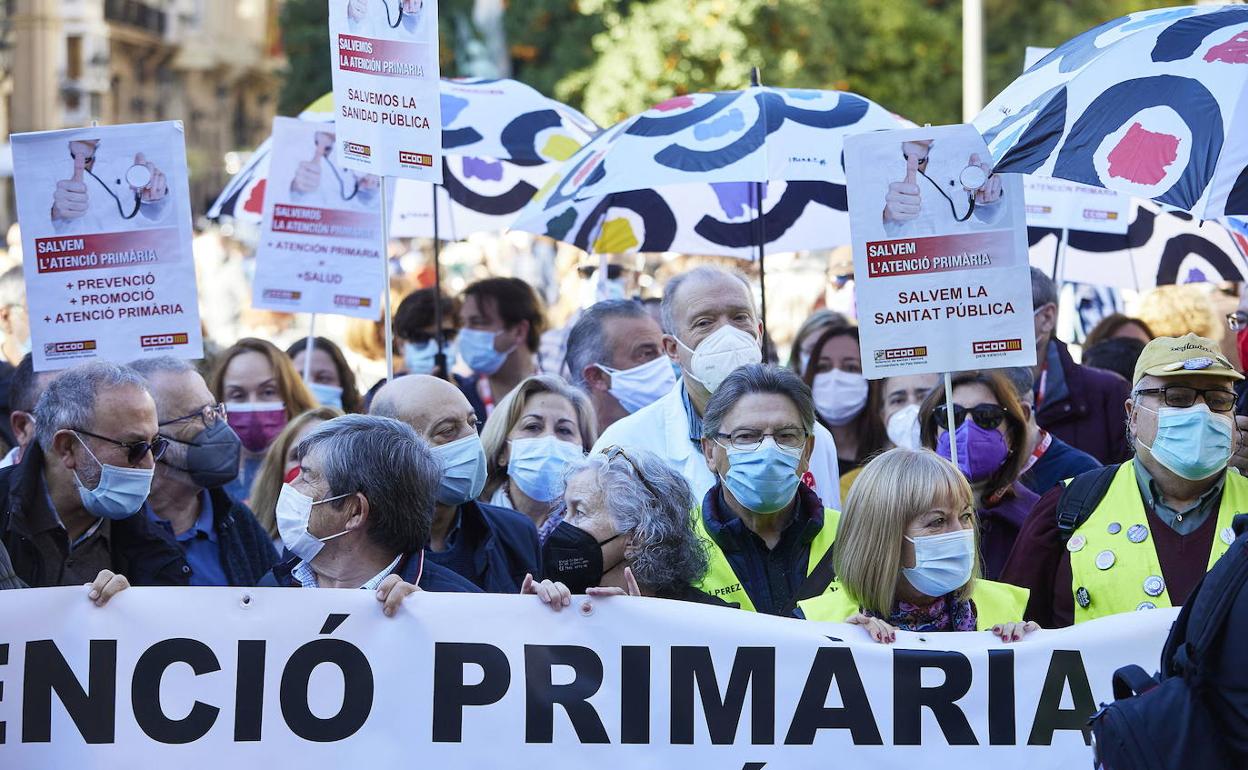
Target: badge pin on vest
<point x="1105" y="560"/>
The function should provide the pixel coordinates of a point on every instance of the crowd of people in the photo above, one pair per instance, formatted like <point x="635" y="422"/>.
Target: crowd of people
<point x="661" y="453"/>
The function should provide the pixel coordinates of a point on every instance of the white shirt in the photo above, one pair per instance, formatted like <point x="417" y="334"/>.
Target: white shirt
<point x="103" y="214"/>
<point x="12" y="458"/>
<point x="376" y="22"/>
<point x="935" y="214"/>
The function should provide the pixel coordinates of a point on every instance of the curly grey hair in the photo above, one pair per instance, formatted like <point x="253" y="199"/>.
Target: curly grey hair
<point x="652" y="509"/>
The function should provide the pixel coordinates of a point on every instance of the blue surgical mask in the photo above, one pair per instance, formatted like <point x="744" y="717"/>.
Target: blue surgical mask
<point x="463" y="470"/>
<point x="942" y="563"/>
<point x="326" y="395"/>
<point x="477" y="349"/>
<point x="764" y="480"/>
<point x="537" y="465"/>
<point x="422" y="359"/>
<point x="120" y="493"/>
<point x="1193" y="442"/>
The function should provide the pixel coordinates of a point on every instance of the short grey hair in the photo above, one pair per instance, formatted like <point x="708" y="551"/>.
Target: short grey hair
<point x="651" y="508"/>
<point x="1043" y="290"/>
<point x="12" y="287"/>
<point x="587" y="340"/>
<point x="758" y="378"/>
<point x="387" y="462"/>
<point x="671" y="290"/>
<point x="1022" y="379"/>
<point x="68" y="403"/>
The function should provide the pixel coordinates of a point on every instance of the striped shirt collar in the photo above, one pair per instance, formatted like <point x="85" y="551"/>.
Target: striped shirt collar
<point x="306" y="576"/>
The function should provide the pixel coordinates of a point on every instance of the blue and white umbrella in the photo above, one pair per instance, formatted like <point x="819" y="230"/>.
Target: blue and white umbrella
<point x="685" y="176"/>
<point x="1154" y="104"/>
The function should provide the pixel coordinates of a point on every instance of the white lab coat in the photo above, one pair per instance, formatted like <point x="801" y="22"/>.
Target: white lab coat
<point x="376" y="23"/>
<point x="102" y="214"/>
<point x="663" y="428"/>
<point x="332" y="193"/>
<point x="935" y="216"/>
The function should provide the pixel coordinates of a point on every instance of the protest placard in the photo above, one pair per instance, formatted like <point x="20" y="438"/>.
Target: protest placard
<point x="320" y="245"/>
<point x="106" y="227"/>
<point x="940" y="253"/>
<point x="321" y="679"/>
<point x="386" y="96"/>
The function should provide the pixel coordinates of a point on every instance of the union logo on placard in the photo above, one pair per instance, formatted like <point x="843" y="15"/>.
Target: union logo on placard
<point x="357" y="150"/>
<point x="283" y="294"/>
<point x="900" y="354"/>
<point x="418" y="159"/>
<point x="163" y="340"/>
<point x="344" y="300"/>
<point x="988" y="347"/>
<point x="68" y="348"/>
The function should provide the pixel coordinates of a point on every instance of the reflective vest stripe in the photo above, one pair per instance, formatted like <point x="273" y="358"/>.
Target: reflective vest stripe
<point x="1120" y="587"/>
<point x="994" y="603"/>
<point x="722" y="581"/>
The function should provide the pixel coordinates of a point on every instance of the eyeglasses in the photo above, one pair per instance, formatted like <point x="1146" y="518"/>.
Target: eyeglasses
<point x="1237" y="321"/>
<point x="208" y="413"/>
<point x="986" y="416"/>
<point x="1182" y="396"/>
<point x="615" y="451"/>
<point x="135" y="450"/>
<point x="747" y="439"/>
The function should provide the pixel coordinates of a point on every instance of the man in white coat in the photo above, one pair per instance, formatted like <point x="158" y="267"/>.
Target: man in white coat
<point x="711" y="327"/>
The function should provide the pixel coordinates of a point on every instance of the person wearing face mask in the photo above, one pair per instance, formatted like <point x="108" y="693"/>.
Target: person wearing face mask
<point x="501" y="323"/>
<point x="69" y="507"/>
<point x="261" y="391"/>
<point x="541" y="427"/>
<point x="491" y="546"/>
<point x="331" y="380"/>
<point x="1142" y="534"/>
<point x="834" y="374"/>
<point x="1049" y="459"/>
<point x="991" y="435"/>
<point x="358" y="512"/>
<point x="280" y="467"/>
<point x="25" y="387"/>
<point x="615" y="355"/>
<point x="710" y="328"/>
<point x="907" y="558"/>
<point x="766" y="532"/>
<point x="415" y="331"/>
<point x="223" y="542"/>
<point x="895" y="401"/>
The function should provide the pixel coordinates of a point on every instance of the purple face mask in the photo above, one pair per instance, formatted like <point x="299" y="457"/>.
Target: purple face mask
<point x="980" y="452"/>
<point x="256" y="424"/>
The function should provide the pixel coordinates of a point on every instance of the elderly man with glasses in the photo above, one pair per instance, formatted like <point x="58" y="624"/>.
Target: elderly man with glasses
<point x="223" y="542"/>
<point x="67" y="511"/>
<point x="769" y="537"/>
<point x="1142" y="534"/>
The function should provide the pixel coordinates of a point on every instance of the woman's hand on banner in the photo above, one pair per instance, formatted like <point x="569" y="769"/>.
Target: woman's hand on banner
<point x="391" y="593"/>
<point x="552" y="593"/>
<point x="1013" y="632"/>
<point x="879" y="630"/>
<point x="630" y="587"/>
<point x="107" y="585"/>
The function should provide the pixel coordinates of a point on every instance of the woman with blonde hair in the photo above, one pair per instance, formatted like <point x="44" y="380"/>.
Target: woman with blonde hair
<point x="262" y="392"/>
<point x="907" y="556"/>
<point x="539" y="428"/>
<point x="280" y="466"/>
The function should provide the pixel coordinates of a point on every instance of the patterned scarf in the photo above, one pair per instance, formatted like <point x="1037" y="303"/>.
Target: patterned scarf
<point x="944" y="614"/>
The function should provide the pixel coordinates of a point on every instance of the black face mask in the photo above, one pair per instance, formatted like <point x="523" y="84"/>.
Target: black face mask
<point x="211" y="457"/>
<point x="572" y="557"/>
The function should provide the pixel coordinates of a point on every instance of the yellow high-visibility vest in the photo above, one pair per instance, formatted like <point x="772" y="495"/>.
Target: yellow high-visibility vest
<point x="994" y="603"/>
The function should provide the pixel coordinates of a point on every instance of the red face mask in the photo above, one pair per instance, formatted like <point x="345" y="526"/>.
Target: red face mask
<point x="257" y="424"/>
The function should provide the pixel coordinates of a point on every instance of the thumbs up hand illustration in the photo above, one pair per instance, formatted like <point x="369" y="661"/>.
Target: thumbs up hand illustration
<point x="70" y="201"/>
<point x="902" y="203"/>
<point x="308" y="172"/>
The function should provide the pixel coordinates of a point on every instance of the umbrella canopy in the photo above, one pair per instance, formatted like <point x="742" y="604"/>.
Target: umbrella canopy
<point x="1160" y="247"/>
<point x="685" y="175"/>
<point x="500" y="139"/>
<point x="1151" y="104"/>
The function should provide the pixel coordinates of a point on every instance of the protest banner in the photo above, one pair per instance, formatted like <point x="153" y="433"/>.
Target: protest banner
<point x="940" y="253"/>
<point x="320" y="245"/>
<point x="386" y="96"/>
<point x="106" y="227"/>
<point x="321" y="679"/>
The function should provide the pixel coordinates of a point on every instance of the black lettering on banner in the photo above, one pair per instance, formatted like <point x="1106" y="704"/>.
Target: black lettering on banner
<point x="910" y="696"/>
<point x="145" y="691"/>
<point x="94" y="711"/>
<point x="451" y="693"/>
<point x="249" y="690"/>
<point x="752" y="667"/>
<point x="1065" y="667"/>
<point x="1001" y="730"/>
<point x="854" y="714"/>
<point x="634" y="694"/>
<point x="357" y="690"/>
<point x="541" y="694"/>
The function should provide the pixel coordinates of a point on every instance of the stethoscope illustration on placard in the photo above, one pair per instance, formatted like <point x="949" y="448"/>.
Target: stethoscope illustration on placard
<point x="972" y="179"/>
<point x="355" y="181"/>
<point x="137" y="176"/>
<point x="394" y="22"/>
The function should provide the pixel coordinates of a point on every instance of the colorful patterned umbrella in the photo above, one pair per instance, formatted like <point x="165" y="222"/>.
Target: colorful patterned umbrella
<point x="500" y="137"/>
<point x="1154" y="104"/>
<point x="685" y="175"/>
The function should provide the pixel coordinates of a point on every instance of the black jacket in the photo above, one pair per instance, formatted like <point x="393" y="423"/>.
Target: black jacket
<point x="139" y="550"/>
<point x="504" y="547"/>
<point x="434" y="577"/>
<point x="247" y="553"/>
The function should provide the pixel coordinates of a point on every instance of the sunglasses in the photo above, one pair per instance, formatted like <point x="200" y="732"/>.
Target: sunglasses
<point x="135" y="450"/>
<point x="986" y="416"/>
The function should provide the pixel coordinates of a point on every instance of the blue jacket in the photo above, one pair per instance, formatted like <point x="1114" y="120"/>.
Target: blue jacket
<point x="1060" y="462"/>
<point x="504" y="547"/>
<point x="434" y="578"/>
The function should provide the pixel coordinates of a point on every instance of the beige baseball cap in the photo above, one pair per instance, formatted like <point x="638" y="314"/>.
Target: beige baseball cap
<point x="1189" y="354"/>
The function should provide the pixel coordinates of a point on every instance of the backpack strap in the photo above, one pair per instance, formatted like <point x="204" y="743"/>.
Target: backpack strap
<point x="1080" y="497"/>
<point x="1132" y="680"/>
